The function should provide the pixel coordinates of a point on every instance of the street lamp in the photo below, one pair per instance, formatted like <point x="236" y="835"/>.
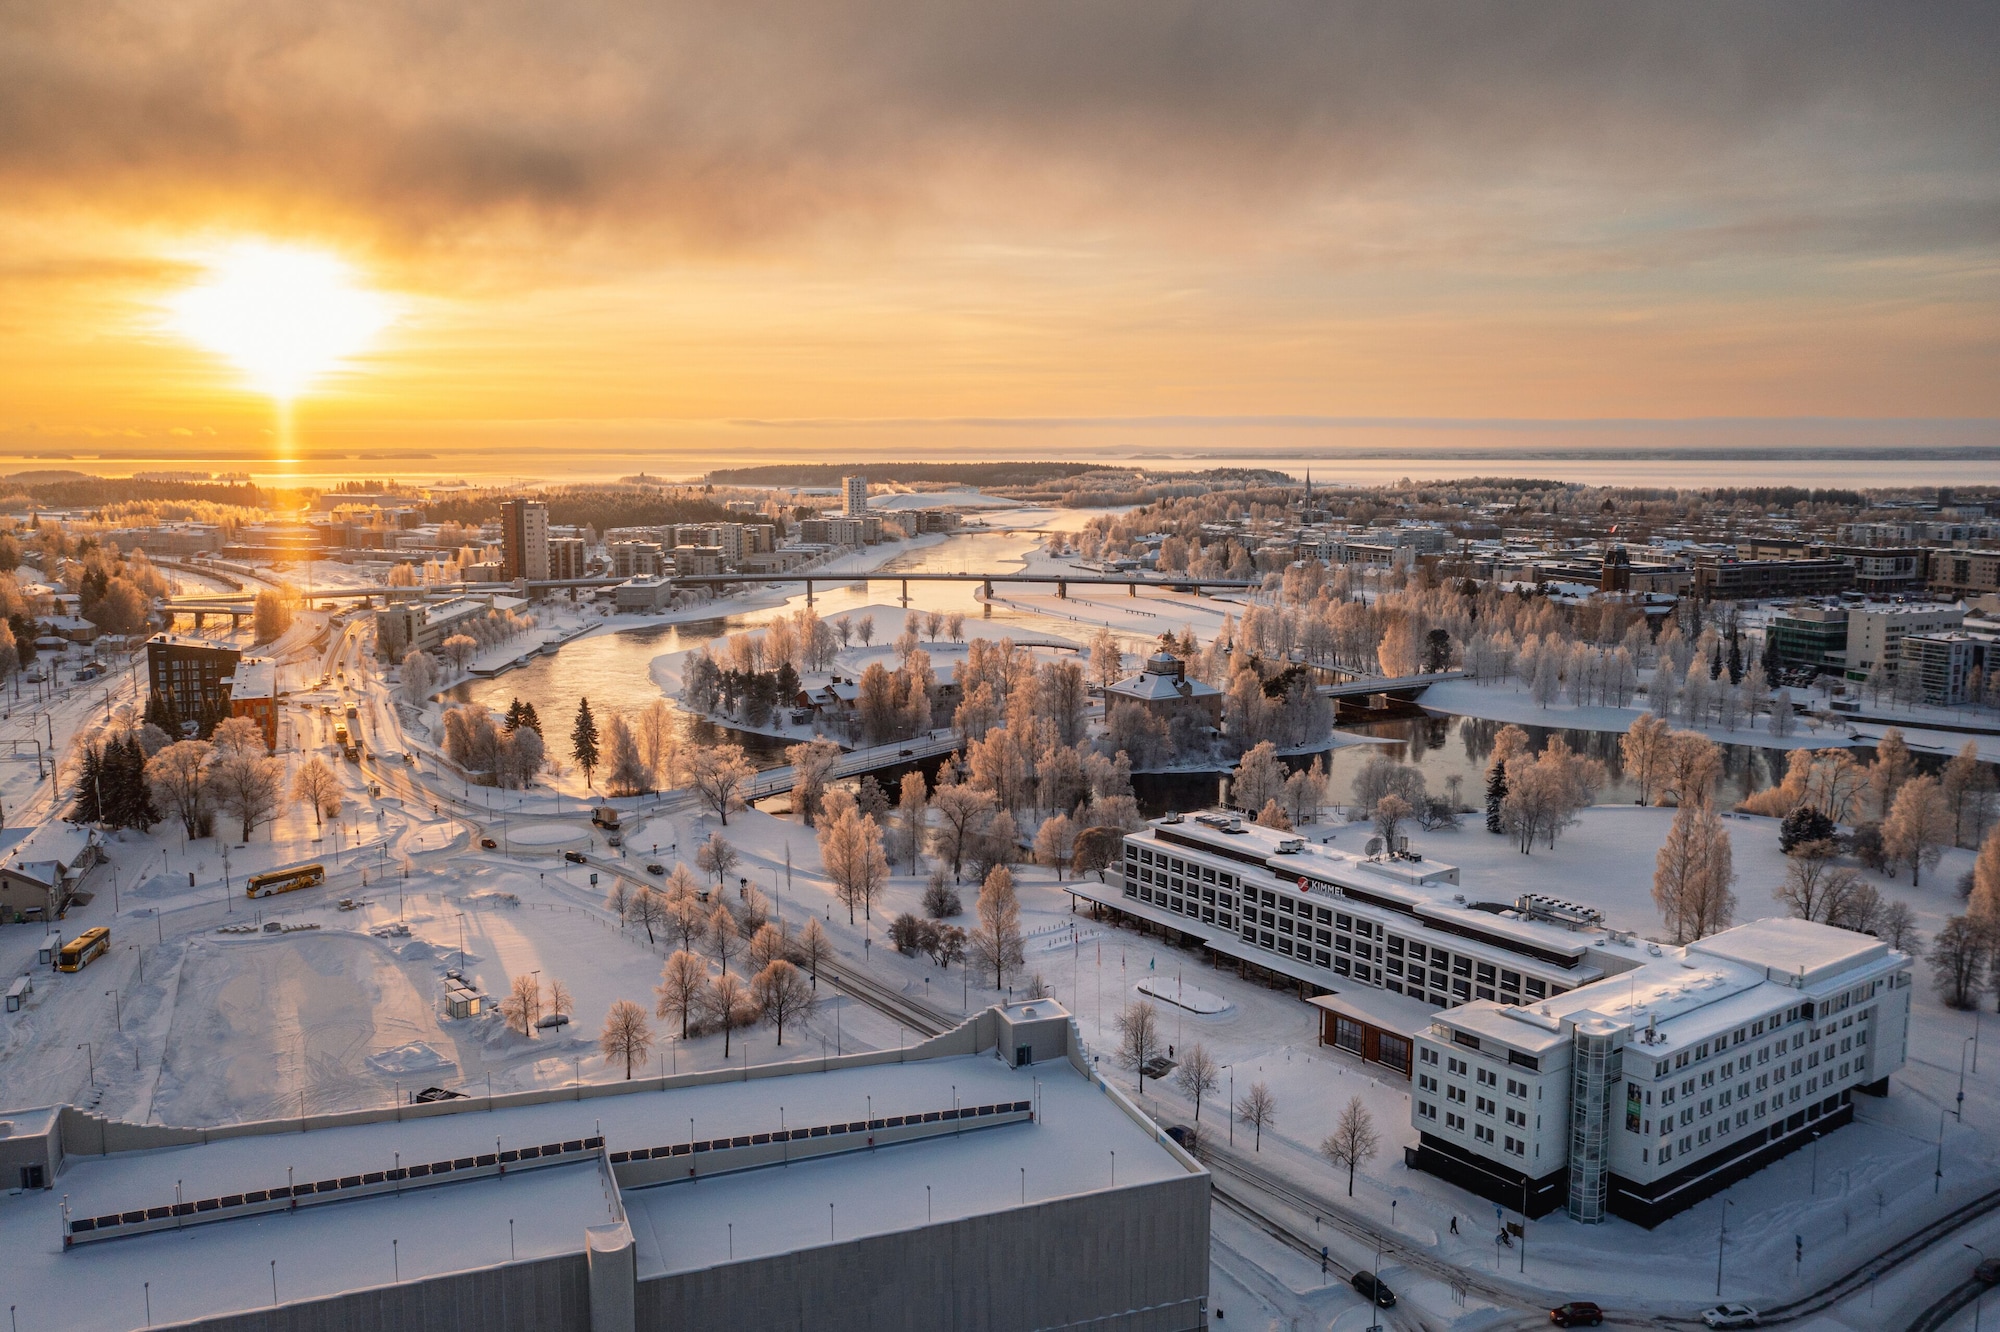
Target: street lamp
<point x="1722" y="1230"/>
<point x="1958" y="1110"/>
<point x="1979" y="1301"/>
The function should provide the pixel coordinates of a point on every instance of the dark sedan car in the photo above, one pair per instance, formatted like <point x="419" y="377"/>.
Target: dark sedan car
<point x="1371" y="1287"/>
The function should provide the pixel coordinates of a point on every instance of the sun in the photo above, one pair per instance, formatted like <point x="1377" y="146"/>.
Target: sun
<point x="283" y="316"/>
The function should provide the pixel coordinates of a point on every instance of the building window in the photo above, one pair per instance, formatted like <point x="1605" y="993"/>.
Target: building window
<point x="1425" y="1110"/>
<point x="1482" y="1132"/>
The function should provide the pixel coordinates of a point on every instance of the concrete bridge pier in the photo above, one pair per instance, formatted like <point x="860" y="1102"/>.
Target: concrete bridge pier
<point x="906" y="591"/>
<point x="1062" y="590"/>
<point x="200" y="618"/>
<point x="1131" y="589"/>
<point x="809" y="591"/>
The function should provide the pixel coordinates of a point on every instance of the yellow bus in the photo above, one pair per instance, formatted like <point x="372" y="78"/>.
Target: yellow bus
<point x="80" y="951"/>
<point x="284" y="881"/>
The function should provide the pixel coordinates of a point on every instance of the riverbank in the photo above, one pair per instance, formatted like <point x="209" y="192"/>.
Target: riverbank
<point x="1509" y="702"/>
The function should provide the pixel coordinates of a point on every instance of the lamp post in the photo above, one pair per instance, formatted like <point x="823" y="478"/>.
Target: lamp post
<point x="1722" y="1230"/>
<point x="1979" y="1301"/>
<point x="91" y="1056"/>
<point x="1958" y="1110"/>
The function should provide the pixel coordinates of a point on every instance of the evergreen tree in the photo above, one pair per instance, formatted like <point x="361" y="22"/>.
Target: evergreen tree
<point x="513" y="719"/>
<point x="89" y="782"/>
<point x="1735" y="659"/>
<point x="116" y="805"/>
<point x="529" y="719"/>
<point x="1715" y="663"/>
<point x="1496" y="796"/>
<point x="583" y="739"/>
<point x="136" y="807"/>
<point x="161" y="714"/>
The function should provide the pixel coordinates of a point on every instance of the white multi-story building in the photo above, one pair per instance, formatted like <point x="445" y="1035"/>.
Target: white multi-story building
<point x="854" y="491"/>
<point x="1650" y="1090"/>
<point x="1875" y="633"/>
<point x="1351" y="926"/>
<point x="1937" y="668"/>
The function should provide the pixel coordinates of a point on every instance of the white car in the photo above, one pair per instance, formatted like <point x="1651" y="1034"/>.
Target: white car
<point x="1730" y="1315"/>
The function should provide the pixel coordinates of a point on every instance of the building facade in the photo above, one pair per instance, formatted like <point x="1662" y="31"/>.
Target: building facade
<point x="567" y="558"/>
<point x="524" y="539"/>
<point x="1809" y="638"/>
<point x="1937" y="668"/>
<point x="253" y="693"/>
<point x="1337" y="922"/>
<point x="1642" y="1094"/>
<point x="1875" y="634"/>
<point x="1163" y="689"/>
<point x="424" y="625"/>
<point x="190" y="677"/>
<point x="854" y="495"/>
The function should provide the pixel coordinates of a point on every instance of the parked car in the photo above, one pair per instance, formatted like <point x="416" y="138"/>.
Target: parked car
<point x="655" y="867"/>
<point x="488" y="843"/>
<point x="906" y="753"/>
<point x="1577" y="1313"/>
<point x="1372" y="1287"/>
<point x="1730" y="1315"/>
<point x="573" y="857"/>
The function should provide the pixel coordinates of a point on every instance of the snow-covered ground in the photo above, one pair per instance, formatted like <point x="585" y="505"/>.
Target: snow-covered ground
<point x="1508" y="701"/>
<point x="209" y="1025"/>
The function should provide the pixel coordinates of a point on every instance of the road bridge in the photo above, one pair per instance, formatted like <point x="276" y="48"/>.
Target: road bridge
<point x="1062" y="582"/>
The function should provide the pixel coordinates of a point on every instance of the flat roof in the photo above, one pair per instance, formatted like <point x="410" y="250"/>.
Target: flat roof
<point x="225" y="1267"/>
<point x="1689" y="994"/>
<point x="1379" y="1008"/>
<point x="1784" y="947"/>
<point x="1066" y="1152"/>
<point x="1426" y="889"/>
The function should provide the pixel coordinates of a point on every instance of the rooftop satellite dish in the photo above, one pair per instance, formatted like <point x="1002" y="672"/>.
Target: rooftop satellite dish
<point x="1374" y="847"/>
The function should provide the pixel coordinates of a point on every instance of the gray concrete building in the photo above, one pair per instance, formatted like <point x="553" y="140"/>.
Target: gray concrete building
<point x="985" y="1179"/>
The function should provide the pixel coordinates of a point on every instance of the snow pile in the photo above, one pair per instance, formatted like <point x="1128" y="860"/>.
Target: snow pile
<point x="416" y="1057"/>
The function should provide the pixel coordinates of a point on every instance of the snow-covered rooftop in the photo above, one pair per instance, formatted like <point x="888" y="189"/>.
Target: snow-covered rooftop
<point x="1066" y="1152"/>
<point x="223" y="1266"/>
<point x="1689" y="994"/>
<point x="1783" y="948"/>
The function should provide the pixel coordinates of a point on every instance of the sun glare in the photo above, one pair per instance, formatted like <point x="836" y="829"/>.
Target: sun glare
<point x="284" y="317"/>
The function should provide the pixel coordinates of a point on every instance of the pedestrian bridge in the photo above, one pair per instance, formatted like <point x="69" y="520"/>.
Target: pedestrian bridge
<point x="1401" y="686"/>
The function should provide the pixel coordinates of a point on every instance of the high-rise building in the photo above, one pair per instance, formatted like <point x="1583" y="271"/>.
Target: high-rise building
<point x="524" y="539"/>
<point x="566" y="557"/>
<point x="855" y="490"/>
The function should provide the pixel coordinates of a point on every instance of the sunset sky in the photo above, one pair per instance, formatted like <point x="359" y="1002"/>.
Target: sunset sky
<point x="702" y="232"/>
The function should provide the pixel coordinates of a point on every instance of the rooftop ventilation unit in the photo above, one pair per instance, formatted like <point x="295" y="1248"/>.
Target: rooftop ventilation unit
<point x="1540" y="906"/>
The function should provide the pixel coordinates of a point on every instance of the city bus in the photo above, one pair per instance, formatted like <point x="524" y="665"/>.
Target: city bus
<point x="285" y="881"/>
<point x="79" y="952"/>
